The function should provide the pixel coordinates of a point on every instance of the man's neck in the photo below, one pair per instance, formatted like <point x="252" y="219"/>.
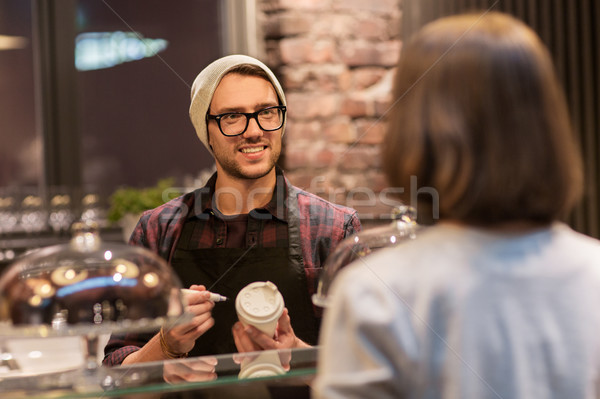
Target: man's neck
<point x="235" y="196"/>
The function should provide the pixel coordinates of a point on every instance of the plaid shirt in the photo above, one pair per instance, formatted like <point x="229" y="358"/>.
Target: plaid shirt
<point x="321" y="226"/>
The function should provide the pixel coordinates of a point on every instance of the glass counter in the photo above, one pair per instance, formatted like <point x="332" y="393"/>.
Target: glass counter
<point x="249" y="375"/>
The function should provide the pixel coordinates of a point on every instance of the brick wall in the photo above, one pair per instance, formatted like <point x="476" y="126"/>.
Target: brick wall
<point x="335" y="61"/>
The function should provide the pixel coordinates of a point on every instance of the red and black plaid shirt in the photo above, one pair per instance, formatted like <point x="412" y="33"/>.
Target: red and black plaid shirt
<point x="322" y="225"/>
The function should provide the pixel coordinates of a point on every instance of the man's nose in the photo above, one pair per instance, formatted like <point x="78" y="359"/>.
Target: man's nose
<point x="253" y="129"/>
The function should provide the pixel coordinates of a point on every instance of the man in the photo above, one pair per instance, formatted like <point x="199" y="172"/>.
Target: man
<point x="247" y="224"/>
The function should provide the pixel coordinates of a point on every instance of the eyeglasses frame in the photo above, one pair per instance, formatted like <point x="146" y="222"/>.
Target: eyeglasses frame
<point x="248" y="115"/>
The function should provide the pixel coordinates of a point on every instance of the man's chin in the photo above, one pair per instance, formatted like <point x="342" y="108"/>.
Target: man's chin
<point x="252" y="173"/>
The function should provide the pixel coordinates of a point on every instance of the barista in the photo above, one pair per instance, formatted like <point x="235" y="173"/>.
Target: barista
<point x="247" y="224"/>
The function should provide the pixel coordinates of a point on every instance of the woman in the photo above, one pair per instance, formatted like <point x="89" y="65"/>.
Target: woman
<point x="498" y="298"/>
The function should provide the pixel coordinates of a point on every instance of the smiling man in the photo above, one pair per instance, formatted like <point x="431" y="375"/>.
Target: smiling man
<point x="247" y="224"/>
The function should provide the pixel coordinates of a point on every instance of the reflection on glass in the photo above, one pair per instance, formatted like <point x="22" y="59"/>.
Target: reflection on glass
<point x="263" y="364"/>
<point x="98" y="50"/>
<point x="192" y="370"/>
<point x="87" y="288"/>
<point x="87" y="282"/>
<point x="93" y="211"/>
<point x="361" y="244"/>
<point x="61" y="214"/>
<point x="33" y="215"/>
<point x="8" y="214"/>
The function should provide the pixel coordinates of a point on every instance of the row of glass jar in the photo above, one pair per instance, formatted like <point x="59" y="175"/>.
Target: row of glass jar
<point x="31" y="214"/>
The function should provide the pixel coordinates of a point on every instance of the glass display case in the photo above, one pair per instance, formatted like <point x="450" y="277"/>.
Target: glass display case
<point x="58" y="302"/>
<point x="197" y="377"/>
<point x="402" y="228"/>
<point x="82" y="290"/>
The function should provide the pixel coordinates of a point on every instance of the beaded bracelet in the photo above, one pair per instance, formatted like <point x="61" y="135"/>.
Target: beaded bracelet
<point x="166" y="350"/>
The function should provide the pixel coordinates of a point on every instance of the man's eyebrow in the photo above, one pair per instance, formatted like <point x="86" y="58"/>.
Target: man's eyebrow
<point x="257" y="107"/>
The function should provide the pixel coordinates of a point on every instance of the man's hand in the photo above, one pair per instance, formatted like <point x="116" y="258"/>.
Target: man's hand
<point x="196" y="369"/>
<point x="250" y="339"/>
<point x="182" y="338"/>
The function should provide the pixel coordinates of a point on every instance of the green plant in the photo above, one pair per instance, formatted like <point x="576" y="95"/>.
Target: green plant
<point x="136" y="200"/>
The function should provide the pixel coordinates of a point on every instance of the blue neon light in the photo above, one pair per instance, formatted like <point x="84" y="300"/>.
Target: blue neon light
<point x="95" y="282"/>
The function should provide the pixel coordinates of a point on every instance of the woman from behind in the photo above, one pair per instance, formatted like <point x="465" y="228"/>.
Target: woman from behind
<point x="497" y="298"/>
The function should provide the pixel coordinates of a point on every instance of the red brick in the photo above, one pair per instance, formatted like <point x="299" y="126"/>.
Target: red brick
<point x="273" y="54"/>
<point x="345" y="80"/>
<point x="349" y="181"/>
<point x="389" y="52"/>
<point x="378" y="181"/>
<point x="286" y="24"/>
<point x="295" y="50"/>
<point x="372" y="28"/>
<point x="296" y="158"/>
<point x="370" y="131"/>
<point x="270" y="5"/>
<point x="321" y="52"/>
<point x="324" y="158"/>
<point x="298" y="131"/>
<point x="299" y="178"/>
<point x="379" y="6"/>
<point x="334" y="58"/>
<point x="364" y="53"/>
<point x="294" y="77"/>
<point x="360" y="158"/>
<point x="366" y="77"/>
<point x="339" y="26"/>
<point x="340" y="130"/>
<point x="328" y="77"/>
<point x="358" y="53"/>
<point x="305" y="4"/>
<point x="312" y="105"/>
<point x="355" y="105"/>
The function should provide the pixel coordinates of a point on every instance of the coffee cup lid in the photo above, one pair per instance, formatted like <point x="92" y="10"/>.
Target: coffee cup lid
<point x="260" y="300"/>
<point x="259" y="370"/>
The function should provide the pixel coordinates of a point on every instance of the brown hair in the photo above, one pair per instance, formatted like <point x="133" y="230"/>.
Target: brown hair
<point x="249" y="70"/>
<point x="252" y="70"/>
<point x="479" y="116"/>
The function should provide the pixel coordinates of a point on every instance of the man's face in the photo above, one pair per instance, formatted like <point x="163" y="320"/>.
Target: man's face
<point x="254" y="153"/>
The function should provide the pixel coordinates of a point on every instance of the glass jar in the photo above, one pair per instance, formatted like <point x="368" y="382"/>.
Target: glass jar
<point x="402" y="228"/>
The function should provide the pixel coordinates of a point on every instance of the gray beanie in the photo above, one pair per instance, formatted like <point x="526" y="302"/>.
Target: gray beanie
<point x="206" y="83"/>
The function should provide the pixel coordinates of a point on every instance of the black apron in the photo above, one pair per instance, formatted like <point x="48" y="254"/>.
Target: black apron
<point x="227" y="270"/>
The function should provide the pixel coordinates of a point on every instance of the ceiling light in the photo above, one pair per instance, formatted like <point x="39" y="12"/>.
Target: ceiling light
<point x="12" y="42"/>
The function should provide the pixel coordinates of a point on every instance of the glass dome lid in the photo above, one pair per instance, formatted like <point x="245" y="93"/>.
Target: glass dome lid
<point x="402" y="228"/>
<point x="88" y="286"/>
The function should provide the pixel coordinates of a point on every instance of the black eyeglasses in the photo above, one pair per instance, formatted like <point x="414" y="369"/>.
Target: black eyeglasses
<point x="236" y="123"/>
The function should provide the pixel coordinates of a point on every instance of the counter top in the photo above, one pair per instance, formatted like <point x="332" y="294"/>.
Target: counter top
<point x="209" y="376"/>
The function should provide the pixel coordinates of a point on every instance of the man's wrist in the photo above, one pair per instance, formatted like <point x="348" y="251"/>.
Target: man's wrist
<point x="298" y="343"/>
<point x="164" y="347"/>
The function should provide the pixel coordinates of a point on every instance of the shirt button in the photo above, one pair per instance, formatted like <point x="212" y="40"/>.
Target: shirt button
<point x="219" y="241"/>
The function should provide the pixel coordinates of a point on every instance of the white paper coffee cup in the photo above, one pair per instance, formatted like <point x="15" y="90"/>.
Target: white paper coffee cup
<point x="260" y="305"/>
<point x="265" y="364"/>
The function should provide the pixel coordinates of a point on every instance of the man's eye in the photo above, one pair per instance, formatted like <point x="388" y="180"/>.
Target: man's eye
<point x="267" y="112"/>
<point x="231" y="118"/>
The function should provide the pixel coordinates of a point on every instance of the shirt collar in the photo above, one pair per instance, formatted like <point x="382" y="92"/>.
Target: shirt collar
<point x="277" y="206"/>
